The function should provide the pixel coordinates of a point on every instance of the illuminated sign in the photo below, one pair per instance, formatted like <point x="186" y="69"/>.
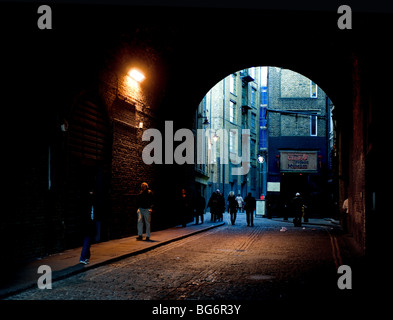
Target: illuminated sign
<point x="296" y="161"/>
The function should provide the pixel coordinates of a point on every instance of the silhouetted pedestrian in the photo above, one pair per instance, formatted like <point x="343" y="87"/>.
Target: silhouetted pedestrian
<point x="88" y="223"/>
<point x="249" y="206"/>
<point x="200" y="204"/>
<point x="232" y="206"/>
<point x="297" y="207"/>
<point x="213" y="204"/>
<point x="221" y="206"/>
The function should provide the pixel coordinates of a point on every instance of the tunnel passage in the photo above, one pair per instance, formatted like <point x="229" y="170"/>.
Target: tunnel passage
<point x="183" y="53"/>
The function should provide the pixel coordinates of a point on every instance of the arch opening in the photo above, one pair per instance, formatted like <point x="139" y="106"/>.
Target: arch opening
<point x="292" y="149"/>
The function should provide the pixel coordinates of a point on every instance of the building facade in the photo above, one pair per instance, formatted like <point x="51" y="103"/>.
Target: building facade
<point x="230" y="110"/>
<point x="298" y="121"/>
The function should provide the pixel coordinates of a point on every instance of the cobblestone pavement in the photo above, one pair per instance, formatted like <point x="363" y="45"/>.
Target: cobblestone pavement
<point x="264" y="262"/>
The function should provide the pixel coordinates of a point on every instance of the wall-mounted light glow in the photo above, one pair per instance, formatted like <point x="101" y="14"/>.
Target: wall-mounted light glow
<point x="136" y="75"/>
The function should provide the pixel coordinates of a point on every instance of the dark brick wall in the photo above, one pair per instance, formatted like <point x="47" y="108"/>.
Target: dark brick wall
<point x="128" y="172"/>
<point x="356" y="174"/>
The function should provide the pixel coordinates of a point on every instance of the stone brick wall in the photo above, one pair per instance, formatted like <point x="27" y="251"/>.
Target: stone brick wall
<point x="290" y="91"/>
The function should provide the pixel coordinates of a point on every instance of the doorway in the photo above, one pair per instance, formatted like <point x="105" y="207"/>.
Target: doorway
<point x="291" y="183"/>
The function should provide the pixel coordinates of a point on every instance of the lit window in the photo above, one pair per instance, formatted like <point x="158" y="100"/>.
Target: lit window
<point x="232" y="111"/>
<point x="232" y="84"/>
<point x="252" y="72"/>
<point x="232" y="141"/>
<point x="253" y="97"/>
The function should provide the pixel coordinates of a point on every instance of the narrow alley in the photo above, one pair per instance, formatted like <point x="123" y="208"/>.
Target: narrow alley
<point x="272" y="262"/>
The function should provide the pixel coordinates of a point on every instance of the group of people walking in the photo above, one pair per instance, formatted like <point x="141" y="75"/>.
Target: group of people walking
<point x="235" y="203"/>
<point x="188" y="206"/>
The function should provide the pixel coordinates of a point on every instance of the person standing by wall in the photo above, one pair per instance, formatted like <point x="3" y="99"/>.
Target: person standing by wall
<point x="88" y="223"/>
<point x="145" y="207"/>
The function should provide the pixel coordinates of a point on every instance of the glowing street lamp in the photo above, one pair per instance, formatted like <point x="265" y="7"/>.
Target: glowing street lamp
<point x="136" y="75"/>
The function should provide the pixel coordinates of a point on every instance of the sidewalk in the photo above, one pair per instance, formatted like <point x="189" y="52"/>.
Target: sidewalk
<point x="312" y="221"/>
<point x="66" y="263"/>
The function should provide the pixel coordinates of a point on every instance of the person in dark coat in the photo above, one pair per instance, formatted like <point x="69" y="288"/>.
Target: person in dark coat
<point x="297" y="207"/>
<point x="88" y="223"/>
<point x="213" y="204"/>
<point x="185" y="207"/>
<point x="145" y="202"/>
<point x="221" y="206"/>
<point x="249" y="206"/>
<point x="200" y="204"/>
<point x="232" y="206"/>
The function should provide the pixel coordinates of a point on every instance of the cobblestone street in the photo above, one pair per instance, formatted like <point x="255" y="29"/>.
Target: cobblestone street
<point x="264" y="262"/>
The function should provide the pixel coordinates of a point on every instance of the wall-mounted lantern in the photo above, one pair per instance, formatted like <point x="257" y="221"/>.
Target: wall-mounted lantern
<point x="136" y="75"/>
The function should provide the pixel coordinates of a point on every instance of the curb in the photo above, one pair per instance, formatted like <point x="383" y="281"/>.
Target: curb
<point x="135" y="253"/>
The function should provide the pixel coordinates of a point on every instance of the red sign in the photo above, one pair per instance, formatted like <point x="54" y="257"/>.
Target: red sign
<point x="295" y="161"/>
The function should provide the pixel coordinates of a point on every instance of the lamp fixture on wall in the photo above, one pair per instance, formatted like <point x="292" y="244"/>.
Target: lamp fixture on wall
<point x="136" y="75"/>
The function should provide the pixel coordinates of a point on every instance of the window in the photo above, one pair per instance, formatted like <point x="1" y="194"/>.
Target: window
<point x="313" y="89"/>
<point x="251" y="72"/>
<point x="232" y="83"/>
<point x="232" y="111"/>
<point x="313" y="125"/>
<point x="253" y="177"/>
<point x="232" y="141"/>
<point x="253" y="120"/>
<point x="253" y="97"/>
<point x="252" y="148"/>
